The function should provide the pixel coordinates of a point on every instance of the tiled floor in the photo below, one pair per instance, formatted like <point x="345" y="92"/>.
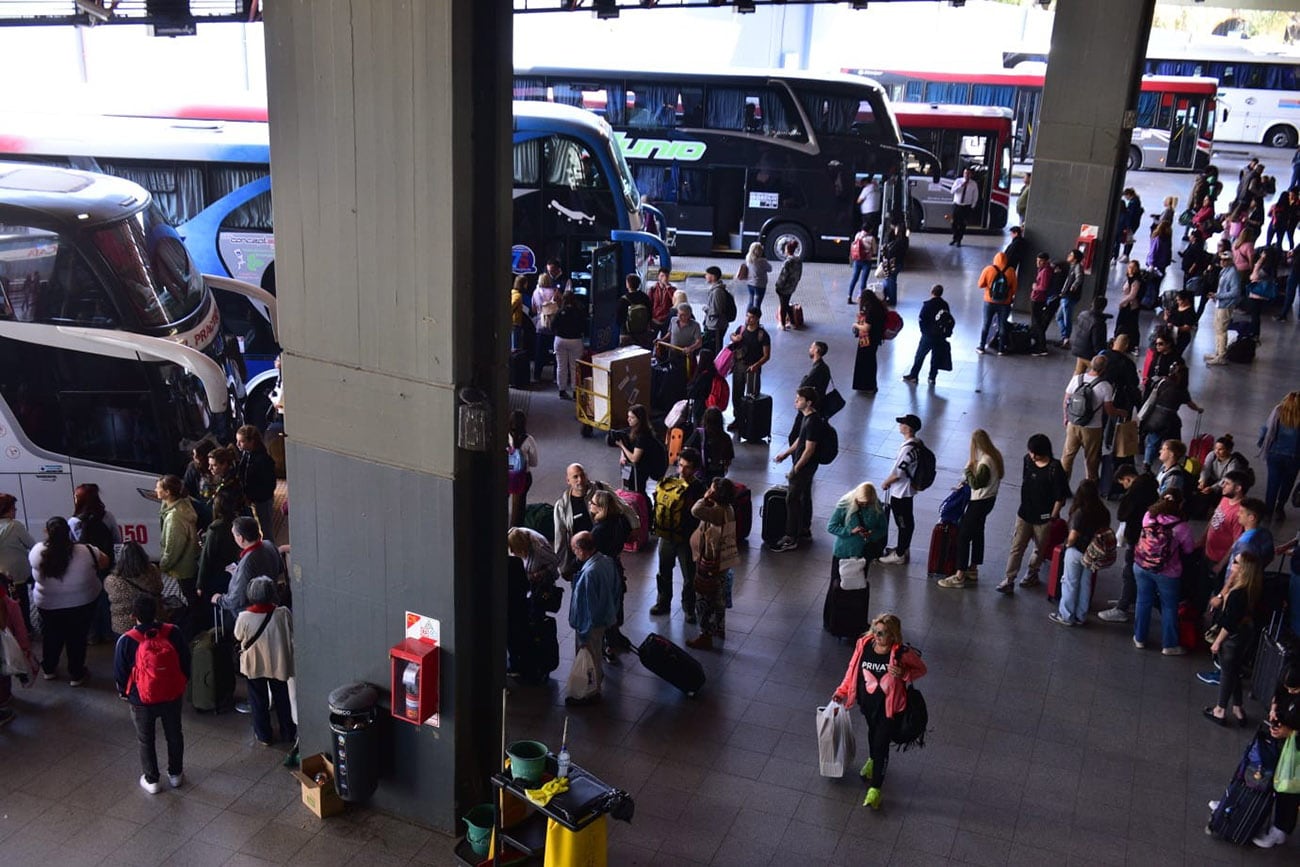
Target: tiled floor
<point x="1047" y="745"/>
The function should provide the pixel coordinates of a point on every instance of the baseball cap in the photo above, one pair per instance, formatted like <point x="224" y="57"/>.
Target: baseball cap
<point x="911" y="421"/>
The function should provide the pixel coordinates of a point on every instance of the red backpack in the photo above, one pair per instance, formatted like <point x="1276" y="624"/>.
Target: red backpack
<point x="157" y="672"/>
<point x="719" y="394"/>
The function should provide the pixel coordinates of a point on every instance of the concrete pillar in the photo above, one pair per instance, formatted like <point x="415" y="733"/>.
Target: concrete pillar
<point x="1089" y="106"/>
<point x="390" y="134"/>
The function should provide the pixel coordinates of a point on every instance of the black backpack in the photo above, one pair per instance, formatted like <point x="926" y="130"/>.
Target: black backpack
<point x="829" y="447"/>
<point x="915" y="718"/>
<point x="924" y="473"/>
<point x="95" y="532"/>
<point x="944" y="323"/>
<point x="728" y="312"/>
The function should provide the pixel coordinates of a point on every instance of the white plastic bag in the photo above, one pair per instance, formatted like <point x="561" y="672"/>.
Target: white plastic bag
<point x="835" y="744"/>
<point x="675" y="414"/>
<point x="582" y="678"/>
<point x="12" y="659"/>
<point x="853" y="573"/>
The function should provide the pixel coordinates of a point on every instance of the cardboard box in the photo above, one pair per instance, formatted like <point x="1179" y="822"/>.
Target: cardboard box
<point x="320" y="798"/>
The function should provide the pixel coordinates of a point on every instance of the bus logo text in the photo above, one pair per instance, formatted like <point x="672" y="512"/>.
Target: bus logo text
<point x="660" y="149"/>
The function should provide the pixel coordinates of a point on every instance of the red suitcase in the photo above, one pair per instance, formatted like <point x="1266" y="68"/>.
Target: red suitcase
<point x="942" y="561"/>
<point x="1057" y="570"/>
<point x="1057" y="532"/>
<point x="744" y="508"/>
<point x="640" y="537"/>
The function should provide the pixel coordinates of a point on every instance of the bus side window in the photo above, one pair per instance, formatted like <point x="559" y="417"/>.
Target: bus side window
<point x="56" y="285"/>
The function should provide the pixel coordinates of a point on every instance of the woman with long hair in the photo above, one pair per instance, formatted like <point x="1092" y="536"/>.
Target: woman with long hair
<point x="1234" y="633"/>
<point x="1130" y="303"/>
<point x="219" y="548"/>
<point x="1162" y="421"/>
<point x="223" y="464"/>
<point x="198" y="478"/>
<point x="1158" y="569"/>
<point x="717" y="451"/>
<point x="66" y="591"/>
<point x="178" y="556"/>
<point x="609" y="530"/>
<point x="521" y="458"/>
<point x="1088" y="517"/>
<point x="870" y="331"/>
<point x="15" y="545"/>
<point x="713" y="546"/>
<point x="1161" y="251"/>
<point x="983" y="473"/>
<point x="133" y="576"/>
<point x="256" y="471"/>
<point x="860" y="527"/>
<point x="759" y="268"/>
<point x="1279" y="445"/>
<point x="877" y="677"/>
<point x="701" y="386"/>
<point x="641" y="456"/>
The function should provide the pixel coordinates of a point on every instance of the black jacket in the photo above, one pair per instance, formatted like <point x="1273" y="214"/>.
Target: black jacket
<point x="256" y="472"/>
<point x="1089" y="337"/>
<point x="1134" y="504"/>
<point x="929" y="310"/>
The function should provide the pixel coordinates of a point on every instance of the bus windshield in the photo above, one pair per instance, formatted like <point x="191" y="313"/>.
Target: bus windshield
<point x="148" y="258"/>
<point x="625" y="183"/>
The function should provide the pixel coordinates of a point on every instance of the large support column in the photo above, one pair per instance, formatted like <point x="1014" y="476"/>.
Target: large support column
<point x="1089" y="105"/>
<point x="390" y="131"/>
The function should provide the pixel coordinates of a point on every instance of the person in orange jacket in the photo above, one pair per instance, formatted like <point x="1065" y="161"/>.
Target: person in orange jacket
<point x="999" y="284"/>
<point x="877" y="677"/>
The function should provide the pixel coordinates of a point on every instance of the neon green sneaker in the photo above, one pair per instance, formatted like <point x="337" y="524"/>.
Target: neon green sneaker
<point x="865" y="773"/>
<point x="872" y="799"/>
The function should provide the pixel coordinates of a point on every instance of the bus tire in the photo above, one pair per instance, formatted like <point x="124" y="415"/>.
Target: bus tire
<point x="916" y="219"/>
<point x="782" y="232"/>
<point x="257" y="405"/>
<point x="1280" y="136"/>
<point x="1134" y="158"/>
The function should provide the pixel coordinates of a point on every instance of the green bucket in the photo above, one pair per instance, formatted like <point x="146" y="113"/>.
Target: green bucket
<point x="527" y="760"/>
<point x="478" y="827"/>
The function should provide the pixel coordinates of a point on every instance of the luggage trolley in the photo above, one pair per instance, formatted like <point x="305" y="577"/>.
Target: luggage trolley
<point x="610" y="384"/>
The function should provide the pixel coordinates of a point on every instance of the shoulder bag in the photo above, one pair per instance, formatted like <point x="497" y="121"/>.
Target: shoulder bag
<point x="266" y="621"/>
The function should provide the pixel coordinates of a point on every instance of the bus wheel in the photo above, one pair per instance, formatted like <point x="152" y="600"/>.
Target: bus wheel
<point x="1280" y="136"/>
<point x="916" y="219"/>
<point x="1134" y="159"/>
<point x="257" y="405"/>
<point x="783" y="233"/>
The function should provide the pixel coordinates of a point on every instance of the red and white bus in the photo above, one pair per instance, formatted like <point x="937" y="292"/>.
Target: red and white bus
<point x="975" y="137"/>
<point x="1175" y="117"/>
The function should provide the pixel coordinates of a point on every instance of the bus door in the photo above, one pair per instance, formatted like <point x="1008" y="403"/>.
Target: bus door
<point x="41" y="495"/>
<point x="603" y="293"/>
<point x="1028" y="100"/>
<point x="1183" y="133"/>
<point x="727" y="189"/>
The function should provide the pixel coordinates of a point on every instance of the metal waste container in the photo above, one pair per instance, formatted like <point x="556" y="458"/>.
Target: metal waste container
<point x="354" y="727"/>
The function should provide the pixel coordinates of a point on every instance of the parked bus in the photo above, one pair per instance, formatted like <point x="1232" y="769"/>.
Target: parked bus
<point x="1175" y="119"/>
<point x="207" y="166"/>
<point x="113" y="361"/>
<point x="742" y="156"/>
<point x="962" y="137"/>
<point x="1258" y="92"/>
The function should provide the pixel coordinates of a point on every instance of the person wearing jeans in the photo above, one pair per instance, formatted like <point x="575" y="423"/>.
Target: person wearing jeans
<point x="1139" y="493"/>
<point x="898" y="485"/>
<point x="1088" y="517"/>
<point x="146" y="715"/>
<point x="996" y="310"/>
<point x="1161" y="576"/>
<point x="1279" y="443"/>
<point x="803" y="452"/>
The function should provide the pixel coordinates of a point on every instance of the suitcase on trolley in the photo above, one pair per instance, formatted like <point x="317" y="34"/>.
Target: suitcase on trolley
<point x="942" y="560"/>
<point x="671" y="663"/>
<point x="774" y="505"/>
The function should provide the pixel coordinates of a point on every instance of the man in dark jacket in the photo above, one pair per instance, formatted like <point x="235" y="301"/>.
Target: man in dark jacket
<point x="1089" y="336"/>
<point x="1122" y="374"/>
<point x="1140" y="492"/>
<point x="145" y="609"/>
<point x="257" y="558"/>
<point x="933" y="338"/>
<point x="256" y="471"/>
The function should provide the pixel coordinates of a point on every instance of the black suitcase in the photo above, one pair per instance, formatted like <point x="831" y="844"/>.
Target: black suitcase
<point x="774" y="514"/>
<point x="671" y="663"/>
<point x="846" y="613"/>
<point x="1271" y="658"/>
<point x="521" y="368"/>
<point x="212" y="668"/>
<point x="544" y="650"/>
<point x="1241" y="350"/>
<point x="667" y="385"/>
<point x="754" y="417"/>
<point x="1019" y="340"/>
<point x="1248" y="801"/>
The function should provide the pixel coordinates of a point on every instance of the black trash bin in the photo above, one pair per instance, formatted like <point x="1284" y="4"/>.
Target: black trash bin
<point x="354" y="727"/>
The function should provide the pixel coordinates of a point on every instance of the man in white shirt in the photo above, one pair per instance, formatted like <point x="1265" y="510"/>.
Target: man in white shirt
<point x="898" y="485"/>
<point x="1085" y="416"/>
<point x="869" y="204"/>
<point x="965" y="196"/>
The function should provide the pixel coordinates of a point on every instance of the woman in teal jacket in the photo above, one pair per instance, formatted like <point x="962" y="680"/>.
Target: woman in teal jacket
<point x="860" y="529"/>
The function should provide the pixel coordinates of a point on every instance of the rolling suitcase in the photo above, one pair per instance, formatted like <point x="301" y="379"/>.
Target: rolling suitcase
<point x="846" y="613"/>
<point x="754" y="414"/>
<point x="521" y="368"/>
<point x="1057" y="570"/>
<point x="942" y="561"/>
<point x="774" y="514"/>
<point x="544" y="649"/>
<point x="212" y="668"/>
<point x="1247" y="802"/>
<point x="796" y="315"/>
<point x="671" y="663"/>
<point x="639" y="538"/>
<point x="1270" y="659"/>
<point x="744" y="509"/>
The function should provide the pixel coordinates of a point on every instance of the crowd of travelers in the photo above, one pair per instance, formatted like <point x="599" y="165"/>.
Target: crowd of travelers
<point x="1210" y="588"/>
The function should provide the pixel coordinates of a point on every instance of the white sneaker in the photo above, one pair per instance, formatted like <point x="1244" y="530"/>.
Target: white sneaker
<point x="893" y="558"/>
<point x="175" y="780"/>
<point x="1272" y="837"/>
<point x="151" y="788"/>
<point x="1214" y="805"/>
<point x="1115" y="615"/>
